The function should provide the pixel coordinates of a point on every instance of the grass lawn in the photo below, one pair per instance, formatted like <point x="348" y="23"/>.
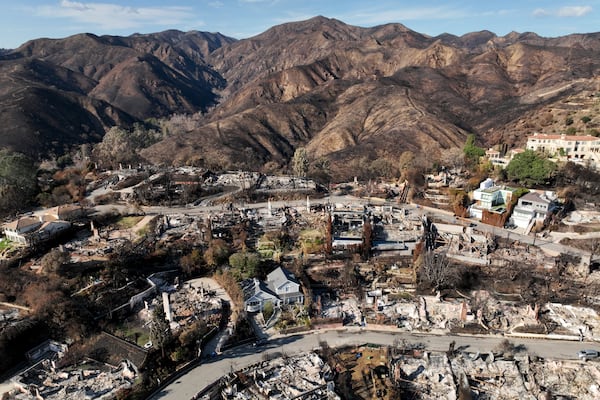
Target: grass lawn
<point x="311" y="234"/>
<point x="128" y="222"/>
<point x="5" y="244"/>
<point x="311" y="241"/>
<point x="133" y="332"/>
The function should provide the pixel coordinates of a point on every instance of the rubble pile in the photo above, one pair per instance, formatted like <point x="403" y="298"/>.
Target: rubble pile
<point x="436" y="376"/>
<point x="582" y="321"/>
<point x="192" y="302"/>
<point x="463" y="244"/>
<point x="430" y="376"/>
<point x="489" y="378"/>
<point x="433" y="312"/>
<point x="301" y="377"/>
<point x="9" y="316"/>
<point x="347" y="309"/>
<point x="284" y="183"/>
<point x="88" y="381"/>
<point x="567" y="379"/>
<point x="523" y="254"/>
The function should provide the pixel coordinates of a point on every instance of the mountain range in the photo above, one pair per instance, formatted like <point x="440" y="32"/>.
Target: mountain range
<point x="338" y="90"/>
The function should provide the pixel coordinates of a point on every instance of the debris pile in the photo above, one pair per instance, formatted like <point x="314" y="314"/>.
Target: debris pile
<point x="88" y="381"/>
<point x="193" y="301"/>
<point x="301" y="377"/>
<point x="485" y="376"/>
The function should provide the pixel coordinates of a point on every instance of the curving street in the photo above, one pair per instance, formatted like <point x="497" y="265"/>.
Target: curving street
<point x="210" y="370"/>
<point x="192" y="382"/>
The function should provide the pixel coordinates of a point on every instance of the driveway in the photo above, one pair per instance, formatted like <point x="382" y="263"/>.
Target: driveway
<point x="209" y="284"/>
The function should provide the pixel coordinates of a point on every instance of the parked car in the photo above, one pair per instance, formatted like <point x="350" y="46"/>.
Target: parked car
<point x="260" y="342"/>
<point x="587" y="354"/>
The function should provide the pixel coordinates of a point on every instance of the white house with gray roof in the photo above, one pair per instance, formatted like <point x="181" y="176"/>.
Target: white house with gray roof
<point x="281" y="287"/>
<point x="257" y="294"/>
<point x="285" y="285"/>
<point x="532" y="206"/>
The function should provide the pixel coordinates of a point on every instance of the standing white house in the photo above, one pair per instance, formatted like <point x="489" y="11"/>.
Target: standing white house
<point x="285" y="285"/>
<point x="32" y="229"/>
<point x="533" y="206"/>
<point x="21" y="230"/>
<point x="583" y="149"/>
<point x="257" y="294"/>
<point x="281" y="287"/>
<point x="491" y="198"/>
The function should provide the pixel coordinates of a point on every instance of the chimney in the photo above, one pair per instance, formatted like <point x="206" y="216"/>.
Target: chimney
<point x="167" y="307"/>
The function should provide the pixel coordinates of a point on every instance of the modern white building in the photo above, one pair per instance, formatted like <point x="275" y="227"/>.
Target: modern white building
<point x="580" y="149"/>
<point x="491" y="198"/>
<point x="531" y="207"/>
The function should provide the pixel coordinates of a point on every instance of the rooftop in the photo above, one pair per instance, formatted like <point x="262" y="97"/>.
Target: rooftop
<point x="22" y="223"/>
<point x="535" y="197"/>
<point x="564" y="137"/>
<point x="279" y="276"/>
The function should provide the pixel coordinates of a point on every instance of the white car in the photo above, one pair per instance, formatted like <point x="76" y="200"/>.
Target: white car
<point x="587" y="354"/>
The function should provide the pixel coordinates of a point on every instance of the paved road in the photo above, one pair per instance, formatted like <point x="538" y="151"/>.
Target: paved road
<point x="202" y="209"/>
<point x="188" y="385"/>
<point x="448" y="217"/>
<point x="444" y="216"/>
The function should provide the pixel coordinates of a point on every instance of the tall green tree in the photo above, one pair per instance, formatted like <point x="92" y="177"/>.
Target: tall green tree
<point x="530" y="168"/>
<point x="54" y="259"/>
<point x="160" y="331"/>
<point x="245" y="262"/>
<point x="381" y="167"/>
<point x="319" y="170"/>
<point x="217" y="253"/>
<point x="193" y="263"/>
<point x="300" y="162"/>
<point x="116" y="147"/>
<point x="472" y="152"/>
<point x="121" y="146"/>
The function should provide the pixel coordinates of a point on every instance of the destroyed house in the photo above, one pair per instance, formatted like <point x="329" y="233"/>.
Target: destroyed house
<point x="65" y="212"/>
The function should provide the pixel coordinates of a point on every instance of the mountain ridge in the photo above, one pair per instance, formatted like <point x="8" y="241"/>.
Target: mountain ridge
<point x="339" y="90"/>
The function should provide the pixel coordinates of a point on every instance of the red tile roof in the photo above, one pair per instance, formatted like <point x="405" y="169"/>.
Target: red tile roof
<point x="563" y="137"/>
